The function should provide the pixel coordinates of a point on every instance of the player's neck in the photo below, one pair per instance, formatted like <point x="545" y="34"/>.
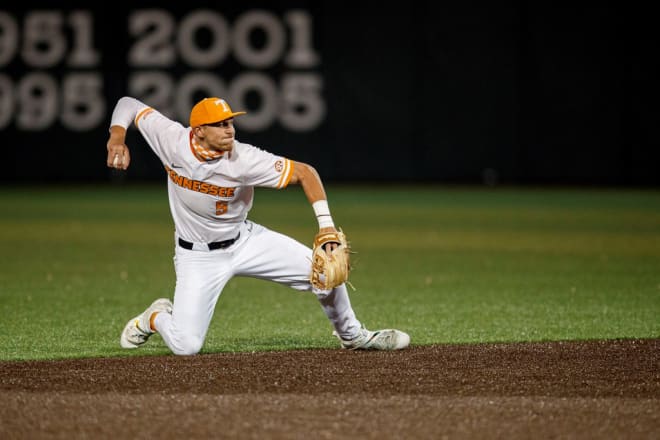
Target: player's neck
<point x="203" y="152"/>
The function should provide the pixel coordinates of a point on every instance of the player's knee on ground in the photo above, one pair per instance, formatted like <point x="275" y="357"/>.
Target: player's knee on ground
<point x="186" y="345"/>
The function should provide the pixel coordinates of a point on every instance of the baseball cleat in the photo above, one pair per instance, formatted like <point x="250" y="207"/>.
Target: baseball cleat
<point x="138" y="329"/>
<point x="388" y="339"/>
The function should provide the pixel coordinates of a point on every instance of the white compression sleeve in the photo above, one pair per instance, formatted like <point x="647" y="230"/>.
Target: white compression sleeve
<point x="125" y="111"/>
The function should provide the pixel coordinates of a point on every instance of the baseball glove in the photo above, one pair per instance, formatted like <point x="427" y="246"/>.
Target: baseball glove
<point x="330" y="268"/>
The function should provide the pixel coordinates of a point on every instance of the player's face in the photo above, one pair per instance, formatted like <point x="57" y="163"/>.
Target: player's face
<point x="220" y="135"/>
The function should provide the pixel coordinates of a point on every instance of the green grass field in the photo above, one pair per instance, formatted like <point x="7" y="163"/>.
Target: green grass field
<point x="446" y="264"/>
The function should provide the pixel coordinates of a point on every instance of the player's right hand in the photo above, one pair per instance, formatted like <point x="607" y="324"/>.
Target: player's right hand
<point x="118" y="156"/>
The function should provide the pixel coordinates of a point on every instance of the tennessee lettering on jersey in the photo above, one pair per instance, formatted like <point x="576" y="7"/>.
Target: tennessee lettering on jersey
<point x="199" y="186"/>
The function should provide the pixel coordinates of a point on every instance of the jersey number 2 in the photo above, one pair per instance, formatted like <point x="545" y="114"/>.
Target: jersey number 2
<point x="221" y="207"/>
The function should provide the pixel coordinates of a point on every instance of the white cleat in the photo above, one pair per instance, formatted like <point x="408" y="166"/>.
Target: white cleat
<point x="388" y="339"/>
<point x="138" y="329"/>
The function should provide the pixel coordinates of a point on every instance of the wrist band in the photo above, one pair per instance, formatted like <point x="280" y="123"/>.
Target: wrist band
<point x="322" y="212"/>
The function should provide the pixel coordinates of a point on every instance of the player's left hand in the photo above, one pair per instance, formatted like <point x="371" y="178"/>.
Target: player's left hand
<point x="332" y="245"/>
<point x="330" y="259"/>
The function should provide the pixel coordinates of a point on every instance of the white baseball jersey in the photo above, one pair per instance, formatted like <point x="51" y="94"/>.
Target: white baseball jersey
<point x="203" y="192"/>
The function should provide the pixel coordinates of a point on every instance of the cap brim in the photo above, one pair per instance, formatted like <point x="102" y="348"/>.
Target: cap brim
<point x="229" y="117"/>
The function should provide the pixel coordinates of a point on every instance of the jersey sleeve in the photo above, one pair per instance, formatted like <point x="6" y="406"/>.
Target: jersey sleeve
<point x="265" y="169"/>
<point x="161" y="133"/>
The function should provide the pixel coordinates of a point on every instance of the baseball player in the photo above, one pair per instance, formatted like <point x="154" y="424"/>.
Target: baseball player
<point x="211" y="178"/>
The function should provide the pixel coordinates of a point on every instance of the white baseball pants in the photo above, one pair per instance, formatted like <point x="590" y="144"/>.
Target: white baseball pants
<point x="259" y="253"/>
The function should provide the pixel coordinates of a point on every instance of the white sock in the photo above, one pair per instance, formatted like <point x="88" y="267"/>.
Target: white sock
<point x="337" y="307"/>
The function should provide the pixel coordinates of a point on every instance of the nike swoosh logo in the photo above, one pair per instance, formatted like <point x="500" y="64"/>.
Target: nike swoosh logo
<point x="176" y="166"/>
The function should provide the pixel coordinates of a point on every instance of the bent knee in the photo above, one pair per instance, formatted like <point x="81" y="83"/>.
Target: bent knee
<point x="187" y="345"/>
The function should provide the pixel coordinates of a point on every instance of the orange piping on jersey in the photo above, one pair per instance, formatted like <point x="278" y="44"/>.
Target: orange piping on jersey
<point x="286" y="174"/>
<point x="143" y="113"/>
<point x="284" y="170"/>
<point x="288" y="179"/>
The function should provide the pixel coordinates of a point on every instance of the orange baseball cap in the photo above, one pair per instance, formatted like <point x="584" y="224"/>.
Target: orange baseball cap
<point x="211" y="110"/>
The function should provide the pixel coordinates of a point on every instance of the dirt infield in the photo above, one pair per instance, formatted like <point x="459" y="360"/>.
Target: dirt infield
<point x="597" y="389"/>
